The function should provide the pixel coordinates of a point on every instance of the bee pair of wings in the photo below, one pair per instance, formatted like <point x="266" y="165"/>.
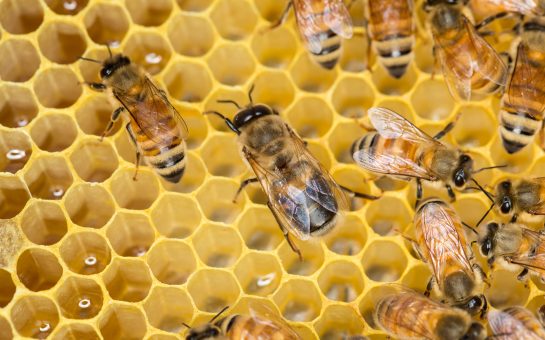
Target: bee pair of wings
<point x="270" y="317"/>
<point x="506" y="326"/>
<point x="525" y="7"/>
<point x="474" y="57"/>
<point x="154" y="114"/>
<point x="391" y="125"/>
<point x="291" y="198"/>
<point x="534" y="262"/>
<point x="312" y="24"/>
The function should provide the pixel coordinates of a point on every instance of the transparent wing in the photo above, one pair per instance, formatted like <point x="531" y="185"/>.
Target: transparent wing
<point x="519" y="6"/>
<point x="390" y="164"/>
<point x="392" y="125"/>
<point x="337" y="18"/>
<point x="265" y="315"/>
<point x="505" y="326"/>
<point x="310" y="25"/>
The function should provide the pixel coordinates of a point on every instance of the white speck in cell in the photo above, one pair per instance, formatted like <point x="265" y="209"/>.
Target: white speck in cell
<point x="70" y="5"/>
<point x="22" y="121"/>
<point x="45" y="327"/>
<point x="57" y="192"/>
<point x="90" y="260"/>
<point x="153" y="58"/>
<point x="15" y="154"/>
<point x="84" y="303"/>
<point x="114" y="43"/>
<point x="265" y="280"/>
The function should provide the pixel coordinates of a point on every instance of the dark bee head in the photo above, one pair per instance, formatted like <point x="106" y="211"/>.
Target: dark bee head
<point x="451" y="327"/>
<point x="505" y="197"/>
<point x="112" y="64"/>
<point x="474" y="305"/>
<point x="487" y="243"/>
<point x="208" y="331"/>
<point x="248" y="114"/>
<point x="476" y="331"/>
<point x="463" y="172"/>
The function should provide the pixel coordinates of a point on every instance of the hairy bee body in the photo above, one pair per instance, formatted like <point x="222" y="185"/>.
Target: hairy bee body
<point x="521" y="196"/>
<point x="515" y="323"/>
<point x="391" y="27"/>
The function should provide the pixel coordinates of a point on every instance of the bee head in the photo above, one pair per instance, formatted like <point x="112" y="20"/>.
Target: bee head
<point x="474" y="305"/>
<point x="463" y="171"/>
<point x="208" y="331"/>
<point x="250" y="113"/>
<point x="488" y="243"/>
<point x="112" y="64"/>
<point x="505" y="197"/>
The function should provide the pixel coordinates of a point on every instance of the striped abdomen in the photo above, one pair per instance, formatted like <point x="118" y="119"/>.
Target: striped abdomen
<point x="245" y="327"/>
<point x="330" y="51"/>
<point x="517" y="127"/>
<point x="391" y="28"/>
<point x="168" y="159"/>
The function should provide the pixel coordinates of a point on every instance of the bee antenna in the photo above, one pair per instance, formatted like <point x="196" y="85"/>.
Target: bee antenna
<point x="470" y="228"/>
<point x="109" y="50"/>
<point x="490" y="167"/>
<point x="489" y="195"/>
<point x="229" y="123"/>
<point x="91" y="60"/>
<point x="186" y="325"/>
<point x="230" y="102"/>
<point x="485" y="214"/>
<point x="250" y="94"/>
<point x="219" y="313"/>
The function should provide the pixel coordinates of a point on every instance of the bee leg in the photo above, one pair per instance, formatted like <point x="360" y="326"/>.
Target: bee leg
<point x="359" y="194"/>
<point x="490" y="262"/>
<point x="447" y="128"/>
<point x="489" y="20"/>
<point x="414" y="244"/>
<point x="514" y="218"/>
<point x="451" y="193"/>
<point x="285" y="232"/>
<point x="480" y="270"/>
<point x="283" y="17"/>
<point x="96" y="86"/>
<point x="523" y="276"/>
<point x="429" y="287"/>
<point x="484" y="310"/>
<point x="242" y="186"/>
<point x="435" y="62"/>
<point x="113" y="119"/>
<point x="418" y="193"/>
<point x="133" y="140"/>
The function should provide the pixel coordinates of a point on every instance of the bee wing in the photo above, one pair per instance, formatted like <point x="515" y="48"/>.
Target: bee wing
<point x="337" y="18"/>
<point x="505" y="326"/>
<point x="526" y="84"/>
<point x="265" y="315"/>
<point x="392" y="125"/>
<point x="519" y="6"/>
<point x="310" y="26"/>
<point x="390" y="164"/>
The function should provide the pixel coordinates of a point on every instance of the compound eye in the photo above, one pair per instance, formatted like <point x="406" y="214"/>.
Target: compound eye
<point x="506" y="206"/>
<point x="105" y="72"/>
<point x="506" y="185"/>
<point x="465" y="158"/>
<point x="460" y="178"/>
<point x="486" y="247"/>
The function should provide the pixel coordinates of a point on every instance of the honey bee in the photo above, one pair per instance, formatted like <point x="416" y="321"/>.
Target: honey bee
<point x="240" y="327"/>
<point x="408" y="314"/>
<point x="515" y="248"/>
<point x="520" y="196"/>
<point x="155" y="127"/>
<point x="303" y="197"/>
<point x="322" y="25"/>
<point x="442" y="243"/>
<point x="469" y="64"/>
<point x="523" y="104"/>
<point x="400" y="149"/>
<point x="515" y="323"/>
<point x="391" y="28"/>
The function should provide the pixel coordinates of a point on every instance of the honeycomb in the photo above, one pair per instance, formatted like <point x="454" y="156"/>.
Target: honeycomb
<point x="89" y="253"/>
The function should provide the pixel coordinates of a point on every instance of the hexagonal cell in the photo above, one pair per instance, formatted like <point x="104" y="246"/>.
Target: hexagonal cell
<point x="190" y="35"/>
<point x="221" y="156"/>
<point x="90" y="71"/>
<point x="38" y="269"/>
<point x="391" y="86"/>
<point x="106" y="23"/>
<point x="44" y="223"/>
<point x="171" y="262"/>
<point x="148" y="50"/>
<point x="20" y="60"/>
<point x="57" y="87"/>
<point x="341" y="139"/>
<point x="17" y="106"/>
<point x="168" y="308"/>
<point x="94" y="114"/>
<point x="34" y="316"/>
<point x="311" y="77"/>
<point x="313" y="257"/>
<point x="298" y="300"/>
<point x="85" y="253"/>
<point x="5" y="329"/>
<point x="45" y="132"/>
<point x="370" y="300"/>
<point x="122" y="321"/>
<point x="136" y="194"/>
<point x="7" y="289"/>
<point x="94" y="161"/>
<point x="536" y="303"/>
<point x="231" y="64"/>
<point x="217" y="246"/>
<point x="221" y="209"/>
<point x="352" y="97"/>
<point x="21" y="17"/>
<point x="417" y="277"/>
<point x="12" y="241"/>
<point x="130" y="234"/>
<point x="310" y="117"/>
<point x="339" y="322"/>
<point x="275" y="48"/>
<point x="234" y="19"/>
<point x="13" y="196"/>
<point x="75" y="331"/>
<point x="516" y="162"/>
<point x="437" y="109"/>
<point x="175" y="216"/>
<point x="470" y="210"/>
<point x="63" y="7"/>
<point x="62" y="42"/>
<point x="273" y="88"/>
<point x="127" y="280"/>
<point x="354" y="54"/>
<point x="213" y="289"/>
<point x="379" y="267"/>
<point x="228" y="110"/>
<point x="89" y="205"/>
<point x="388" y="215"/>
<point x="348" y="237"/>
<point x="341" y="281"/>
<point x="188" y="81"/>
<point x="149" y="13"/>
<point x="271" y="10"/>
<point x="469" y="132"/>
<point x="79" y="298"/>
<point x="423" y="56"/>
<point x="125" y="148"/>
<point x="259" y="229"/>
<point x="505" y="290"/>
<point x="193" y="5"/>
<point x="258" y="274"/>
<point x="16" y="149"/>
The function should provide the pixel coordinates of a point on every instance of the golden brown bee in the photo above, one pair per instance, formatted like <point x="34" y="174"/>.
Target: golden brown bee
<point x="523" y="103"/>
<point x="155" y="126"/>
<point x="515" y="323"/>
<point x="470" y="65"/>
<point x="516" y="248"/>
<point x="521" y="196"/>
<point x="391" y="28"/>
<point x="240" y="327"/>
<point x="442" y="243"/>
<point x="409" y="315"/>
<point x="303" y="197"/>
<point x="400" y="149"/>
<point x="322" y="25"/>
